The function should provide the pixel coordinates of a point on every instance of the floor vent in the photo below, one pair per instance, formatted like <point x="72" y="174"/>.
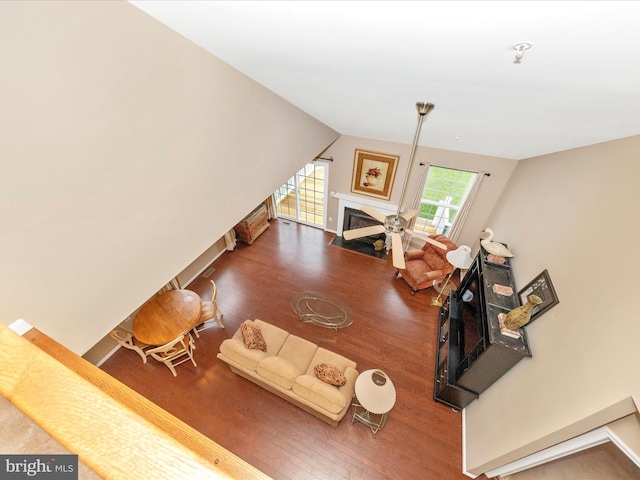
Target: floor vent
<point x="208" y="273"/>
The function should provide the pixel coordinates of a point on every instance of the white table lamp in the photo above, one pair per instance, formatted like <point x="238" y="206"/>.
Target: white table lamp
<point x="459" y="258"/>
<point x="375" y="391"/>
<point x="375" y="397"/>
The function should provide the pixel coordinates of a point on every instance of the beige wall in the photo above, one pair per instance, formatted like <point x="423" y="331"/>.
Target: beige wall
<point x="126" y="152"/>
<point x="341" y="171"/>
<point x="572" y="213"/>
<point x="199" y="264"/>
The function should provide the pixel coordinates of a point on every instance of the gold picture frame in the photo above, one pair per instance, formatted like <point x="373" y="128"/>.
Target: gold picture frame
<point x="374" y="173"/>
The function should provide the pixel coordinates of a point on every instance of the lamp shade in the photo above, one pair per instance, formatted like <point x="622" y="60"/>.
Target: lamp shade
<point x="460" y="257"/>
<point x="375" y="391"/>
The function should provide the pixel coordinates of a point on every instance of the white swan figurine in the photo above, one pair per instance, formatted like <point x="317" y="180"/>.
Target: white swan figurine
<point x="493" y="247"/>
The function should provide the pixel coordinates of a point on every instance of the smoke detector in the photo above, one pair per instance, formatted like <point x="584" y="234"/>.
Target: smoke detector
<point x="520" y="48"/>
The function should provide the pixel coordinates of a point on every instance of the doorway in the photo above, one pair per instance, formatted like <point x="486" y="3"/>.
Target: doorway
<point x="303" y="198"/>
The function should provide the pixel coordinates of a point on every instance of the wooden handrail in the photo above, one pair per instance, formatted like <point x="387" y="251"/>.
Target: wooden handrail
<point x="114" y="430"/>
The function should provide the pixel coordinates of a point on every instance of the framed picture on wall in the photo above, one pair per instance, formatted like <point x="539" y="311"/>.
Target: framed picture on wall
<point x="374" y="173"/>
<point x="541" y="286"/>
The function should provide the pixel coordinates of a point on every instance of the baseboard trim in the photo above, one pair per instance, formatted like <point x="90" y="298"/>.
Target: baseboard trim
<point x="107" y="356"/>
<point x="203" y="269"/>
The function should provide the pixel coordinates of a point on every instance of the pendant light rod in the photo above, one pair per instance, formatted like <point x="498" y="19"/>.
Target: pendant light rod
<point x="423" y="110"/>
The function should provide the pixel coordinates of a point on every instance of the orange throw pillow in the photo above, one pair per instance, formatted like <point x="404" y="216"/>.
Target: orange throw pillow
<point x="329" y="374"/>
<point x="253" y="338"/>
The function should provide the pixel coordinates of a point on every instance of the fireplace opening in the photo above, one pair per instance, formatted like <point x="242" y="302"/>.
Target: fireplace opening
<point x="354" y="218"/>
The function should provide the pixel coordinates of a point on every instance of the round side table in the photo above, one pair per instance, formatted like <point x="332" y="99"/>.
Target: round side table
<point x="374" y="397"/>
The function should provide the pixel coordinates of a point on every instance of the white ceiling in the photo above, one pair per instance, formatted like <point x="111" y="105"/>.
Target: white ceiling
<point x="361" y="66"/>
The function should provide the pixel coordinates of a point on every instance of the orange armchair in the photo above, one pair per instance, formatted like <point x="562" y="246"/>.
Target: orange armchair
<point x="423" y="267"/>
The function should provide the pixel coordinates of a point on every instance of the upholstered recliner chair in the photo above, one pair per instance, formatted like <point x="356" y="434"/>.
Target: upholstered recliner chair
<point x="423" y="267"/>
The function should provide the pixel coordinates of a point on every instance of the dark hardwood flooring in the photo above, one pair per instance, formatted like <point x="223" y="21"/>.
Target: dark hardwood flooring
<point x="393" y="331"/>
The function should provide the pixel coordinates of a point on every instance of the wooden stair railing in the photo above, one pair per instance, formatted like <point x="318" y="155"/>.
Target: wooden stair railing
<point x="115" y="431"/>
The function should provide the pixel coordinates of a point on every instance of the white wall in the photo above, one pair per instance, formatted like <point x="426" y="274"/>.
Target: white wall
<point x="573" y="213"/>
<point x="126" y="152"/>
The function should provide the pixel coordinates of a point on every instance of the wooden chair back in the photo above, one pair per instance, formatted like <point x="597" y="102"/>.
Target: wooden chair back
<point x="126" y="339"/>
<point x="175" y="352"/>
<point x="210" y="311"/>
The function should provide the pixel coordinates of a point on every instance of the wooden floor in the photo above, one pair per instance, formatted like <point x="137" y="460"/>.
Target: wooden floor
<point x="393" y="331"/>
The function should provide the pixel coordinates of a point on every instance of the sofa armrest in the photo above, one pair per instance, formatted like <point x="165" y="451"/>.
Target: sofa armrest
<point x="351" y="374"/>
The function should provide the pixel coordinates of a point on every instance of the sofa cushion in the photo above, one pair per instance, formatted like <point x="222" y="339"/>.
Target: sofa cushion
<point x="416" y="271"/>
<point x="279" y="371"/>
<point x="435" y="257"/>
<point x="434" y="262"/>
<point x="325" y="356"/>
<point x="273" y="336"/>
<point x="329" y="374"/>
<point x="320" y="393"/>
<point x="298" y="352"/>
<point x="234" y="349"/>
<point x="252" y="337"/>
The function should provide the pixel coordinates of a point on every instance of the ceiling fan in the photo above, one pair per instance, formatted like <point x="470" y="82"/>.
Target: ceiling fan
<point x="395" y="225"/>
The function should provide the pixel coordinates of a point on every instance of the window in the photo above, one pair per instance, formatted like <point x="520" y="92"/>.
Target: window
<point x="445" y="191"/>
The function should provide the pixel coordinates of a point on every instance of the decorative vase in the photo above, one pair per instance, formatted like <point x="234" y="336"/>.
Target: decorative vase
<point x="371" y="180"/>
<point x="520" y="316"/>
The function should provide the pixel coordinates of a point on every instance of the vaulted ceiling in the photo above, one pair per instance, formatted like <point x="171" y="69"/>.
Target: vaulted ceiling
<point x="361" y="66"/>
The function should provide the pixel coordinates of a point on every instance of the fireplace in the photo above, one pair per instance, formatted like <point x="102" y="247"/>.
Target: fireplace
<point x="355" y="204"/>
<point x="351" y="216"/>
<point x="354" y="218"/>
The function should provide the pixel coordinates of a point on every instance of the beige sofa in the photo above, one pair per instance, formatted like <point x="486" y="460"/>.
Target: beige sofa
<point x="287" y="369"/>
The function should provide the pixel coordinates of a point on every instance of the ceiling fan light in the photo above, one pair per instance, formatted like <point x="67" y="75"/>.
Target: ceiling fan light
<point x="520" y="48"/>
<point x="395" y="224"/>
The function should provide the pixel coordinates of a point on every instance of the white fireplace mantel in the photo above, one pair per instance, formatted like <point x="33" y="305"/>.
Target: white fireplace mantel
<point x="352" y="201"/>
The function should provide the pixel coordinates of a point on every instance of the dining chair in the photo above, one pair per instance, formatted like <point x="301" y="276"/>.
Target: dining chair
<point x="210" y="311"/>
<point x="174" y="284"/>
<point x="125" y="338"/>
<point x="175" y="352"/>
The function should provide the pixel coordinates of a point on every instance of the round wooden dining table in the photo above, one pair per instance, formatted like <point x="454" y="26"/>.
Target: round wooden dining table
<point x="165" y="317"/>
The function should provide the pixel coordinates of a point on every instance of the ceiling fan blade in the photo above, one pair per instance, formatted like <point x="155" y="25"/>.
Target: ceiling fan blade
<point x="410" y="214"/>
<point x="374" y="213"/>
<point x="427" y="239"/>
<point x="397" y="250"/>
<point x="363" y="232"/>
